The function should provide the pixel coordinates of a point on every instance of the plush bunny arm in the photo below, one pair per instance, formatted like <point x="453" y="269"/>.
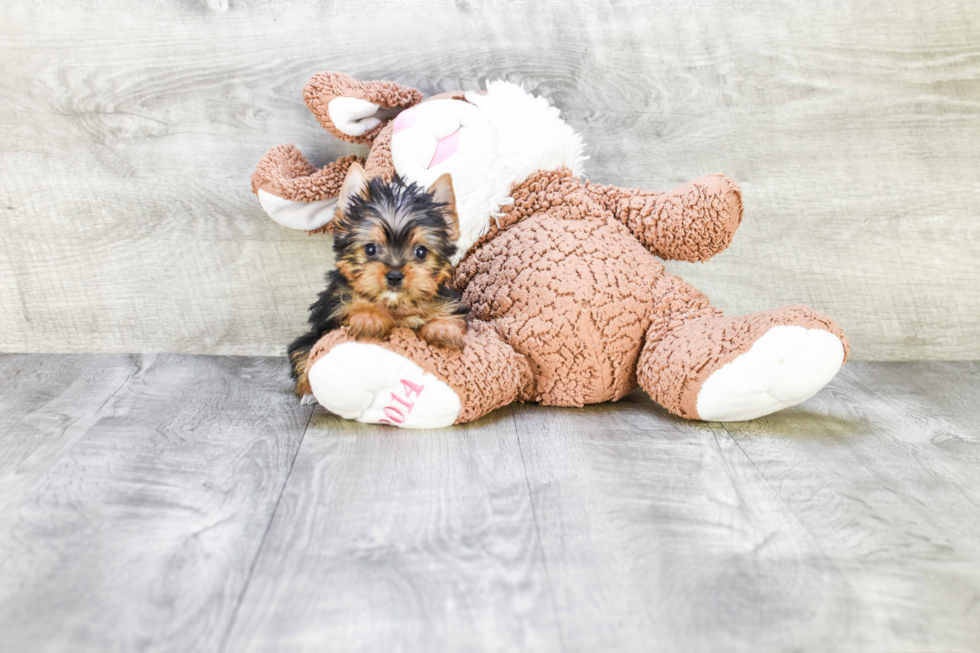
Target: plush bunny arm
<point x="691" y="223"/>
<point x="356" y="111"/>
<point x="295" y="193"/>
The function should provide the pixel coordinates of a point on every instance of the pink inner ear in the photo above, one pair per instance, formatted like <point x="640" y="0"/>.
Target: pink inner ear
<point x="405" y="119"/>
<point x="445" y="148"/>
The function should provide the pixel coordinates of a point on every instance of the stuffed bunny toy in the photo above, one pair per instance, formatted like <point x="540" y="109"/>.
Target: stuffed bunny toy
<point x="569" y="301"/>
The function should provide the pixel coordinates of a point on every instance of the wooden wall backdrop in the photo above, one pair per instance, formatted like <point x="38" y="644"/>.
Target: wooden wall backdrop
<point x="128" y="131"/>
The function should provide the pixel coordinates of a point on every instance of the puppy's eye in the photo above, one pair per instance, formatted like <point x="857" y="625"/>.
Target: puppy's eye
<point x="370" y="249"/>
<point x="421" y="252"/>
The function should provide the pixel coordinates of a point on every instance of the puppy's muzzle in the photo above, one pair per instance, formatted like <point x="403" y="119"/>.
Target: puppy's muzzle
<point x="395" y="278"/>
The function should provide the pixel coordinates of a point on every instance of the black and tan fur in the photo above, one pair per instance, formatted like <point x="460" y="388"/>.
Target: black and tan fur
<point x="383" y="232"/>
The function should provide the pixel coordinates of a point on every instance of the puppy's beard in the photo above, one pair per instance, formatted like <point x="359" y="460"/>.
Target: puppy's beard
<point x="391" y="298"/>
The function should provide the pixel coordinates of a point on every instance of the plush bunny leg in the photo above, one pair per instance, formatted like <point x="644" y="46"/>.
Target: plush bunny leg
<point x="699" y="364"/>
<point x="295" y="193"/>
<point x="406" y="382"/>
<point x="691" y="223"/>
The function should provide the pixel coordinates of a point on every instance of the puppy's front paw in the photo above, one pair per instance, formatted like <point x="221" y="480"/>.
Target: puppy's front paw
<point x="368" y="324"/>
<point x="444" y="332"/>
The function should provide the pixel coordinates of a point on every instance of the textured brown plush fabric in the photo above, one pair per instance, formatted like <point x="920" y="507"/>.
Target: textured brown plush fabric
<point x="581" y="308"/>
<point x="565" y="284"/>
<point x="286" y="173"/>
<point x="486" y="374"/>
<point x="378" y="162"/>
<point x="691" y="223"/>
<point x="324" y="87"/>
<point x="688" y="340"/>
<point x="569" y="304"/>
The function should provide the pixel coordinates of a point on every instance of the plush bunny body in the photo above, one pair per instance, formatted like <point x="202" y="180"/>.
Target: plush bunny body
<point x="569" y="302"/>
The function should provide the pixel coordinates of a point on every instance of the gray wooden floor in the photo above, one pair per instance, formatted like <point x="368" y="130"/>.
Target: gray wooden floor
<point x="188" y="503"/>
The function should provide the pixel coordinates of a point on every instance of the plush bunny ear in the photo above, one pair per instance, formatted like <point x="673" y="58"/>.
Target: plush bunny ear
<point x="295" y="193"/>
<point x="442" y="192"/>
<point x="356" y="111"/>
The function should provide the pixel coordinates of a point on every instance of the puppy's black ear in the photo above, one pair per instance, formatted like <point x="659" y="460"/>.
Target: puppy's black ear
<point x="355" y="185"/>
<point x="442" y="192"/>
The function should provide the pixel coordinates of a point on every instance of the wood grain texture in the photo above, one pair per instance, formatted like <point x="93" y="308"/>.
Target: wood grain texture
<point x="134" y="495"/>
<point x="389" y="540"/>
<point x="848" y="523"/>
<point x="883" y="474"/>
<point x="659" y="534"/>
<point x="128" y="133"/>
<point x="46" y="402"/>
<point x="173" y="503"/>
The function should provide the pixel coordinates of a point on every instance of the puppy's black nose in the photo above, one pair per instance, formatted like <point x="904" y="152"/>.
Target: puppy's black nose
<point x="395" y="277"/>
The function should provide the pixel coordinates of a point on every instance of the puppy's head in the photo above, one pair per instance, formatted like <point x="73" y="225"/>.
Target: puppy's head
<point x="394" y="241"/>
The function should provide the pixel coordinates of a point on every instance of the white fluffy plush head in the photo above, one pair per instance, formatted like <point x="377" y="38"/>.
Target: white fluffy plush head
<point x="487" y="143"/>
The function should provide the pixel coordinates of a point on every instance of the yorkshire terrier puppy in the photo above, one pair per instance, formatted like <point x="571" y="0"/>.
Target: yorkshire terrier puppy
<point x="393" y="244"/>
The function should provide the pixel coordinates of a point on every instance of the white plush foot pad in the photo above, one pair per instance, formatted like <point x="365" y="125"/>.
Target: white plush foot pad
<point x="370" y="384"/>
<point x="786" y="366"/>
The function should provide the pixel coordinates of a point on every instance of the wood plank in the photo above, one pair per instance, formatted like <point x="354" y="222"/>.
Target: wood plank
<point x="881" y="469"/>
<point x="389" y="540"/>
<point x="48" y="401"/>
<point x="135" y="494"/>
<point x="129" y="133"/>
<point x="137" y="498"/>
<point x="659" y="534"/>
